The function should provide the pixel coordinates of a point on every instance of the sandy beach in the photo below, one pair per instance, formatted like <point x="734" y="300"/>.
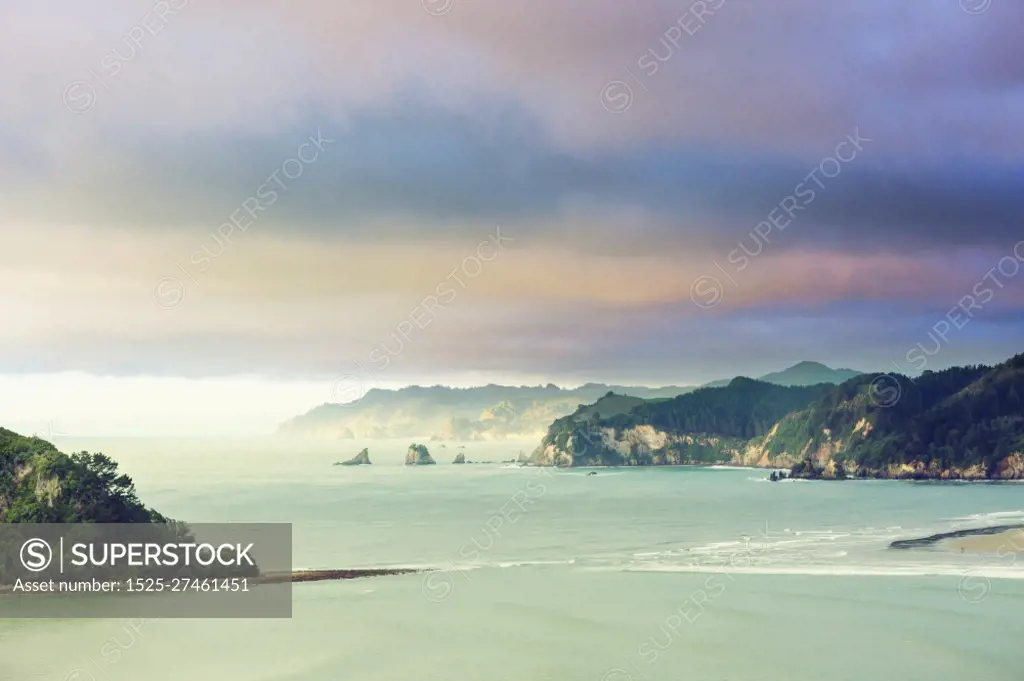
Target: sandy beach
<point x="1004" y="543"/>
<point x="1002" y="540"/>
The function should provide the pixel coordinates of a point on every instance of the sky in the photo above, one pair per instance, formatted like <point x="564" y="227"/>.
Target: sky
<point x="220" y="214"/>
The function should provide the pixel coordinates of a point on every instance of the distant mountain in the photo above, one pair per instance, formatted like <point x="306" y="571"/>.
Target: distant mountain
<point x="803" y="373"/>
<point x="809" y="373"/>
<point x="494" y="412"/>
<point x="483" y="413"/>
<point x="961" y="423"/>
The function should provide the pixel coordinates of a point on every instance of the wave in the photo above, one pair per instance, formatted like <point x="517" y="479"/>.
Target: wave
<point x="528" y="563"/>
<point x="985" y="517"/>
<point x="481" y="565"/>
<point x="924" y="570"/>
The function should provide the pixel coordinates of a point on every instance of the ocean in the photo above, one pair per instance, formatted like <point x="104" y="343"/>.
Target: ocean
<point x="627" y="575"/>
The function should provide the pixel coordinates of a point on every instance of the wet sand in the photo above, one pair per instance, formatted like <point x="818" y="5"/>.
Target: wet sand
<point x="1001" y="544"/>
<point x="1000" y="539"/>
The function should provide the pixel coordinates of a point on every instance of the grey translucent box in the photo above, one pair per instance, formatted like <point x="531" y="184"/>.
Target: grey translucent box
<point x="142" y="570"/>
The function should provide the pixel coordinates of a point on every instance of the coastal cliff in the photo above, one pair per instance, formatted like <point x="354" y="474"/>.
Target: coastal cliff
<point x="725" y="425"/>
<point x="965" y="423"/>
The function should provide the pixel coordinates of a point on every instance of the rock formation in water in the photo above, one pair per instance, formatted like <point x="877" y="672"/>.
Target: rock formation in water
<point x="461" y="458"/>
<point x="418" y="455"/>
<point x="360" y="459"/>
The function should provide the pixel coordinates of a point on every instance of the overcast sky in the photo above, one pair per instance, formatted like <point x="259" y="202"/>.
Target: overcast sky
<point x="219" y="213"/>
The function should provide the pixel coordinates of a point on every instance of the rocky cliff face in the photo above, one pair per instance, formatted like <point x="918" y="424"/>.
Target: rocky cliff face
<point x="645" y="445"/>
<point x="418" y="456"/>
<point x="959" y="423"/>
<point x="822" y="457"/>
<point x="1010" y="468"/>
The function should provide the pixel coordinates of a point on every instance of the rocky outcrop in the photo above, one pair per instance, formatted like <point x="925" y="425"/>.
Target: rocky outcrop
<point x="963" y="423"/>
<point x="641" y="445"/>
<point x="360" y="459"/>
<point x="551" y="455"/>
<point x="823" y="458"/>
<point x="1012" y="467"/>
<point x="1009" y="468"/>
<point x="461" y="458"/>
<point x="418" y="455"/>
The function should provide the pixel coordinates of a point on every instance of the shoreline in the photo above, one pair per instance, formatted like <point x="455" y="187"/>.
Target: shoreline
<point x="920" y="478"/>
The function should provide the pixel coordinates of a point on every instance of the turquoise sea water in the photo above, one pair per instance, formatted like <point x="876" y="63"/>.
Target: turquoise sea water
<point x="630" y="574"/>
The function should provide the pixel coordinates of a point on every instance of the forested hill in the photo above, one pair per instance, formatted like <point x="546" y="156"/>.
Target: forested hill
<point x="964" y="422"/>
<point x="39" y="484"/>
<point x="745" y="408"/>
<point x="961" y="423"/>
<point x="709" y="425"/>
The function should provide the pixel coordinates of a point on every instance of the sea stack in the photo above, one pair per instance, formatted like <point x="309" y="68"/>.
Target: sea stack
<point x="360" y="459"/>
<point x="461" y="458"/>
<point x="418" y="455"/>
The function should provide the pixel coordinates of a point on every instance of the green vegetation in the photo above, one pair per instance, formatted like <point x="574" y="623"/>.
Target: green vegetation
<point x="711" y="424"/>
<point x="744" y="409"/>
<point x="964" y="422"/>
<point x="39" y="484"/>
